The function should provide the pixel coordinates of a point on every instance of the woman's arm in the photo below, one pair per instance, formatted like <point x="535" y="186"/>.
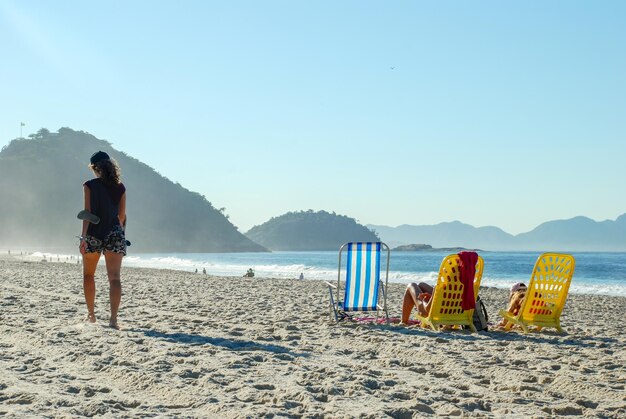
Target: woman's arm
<point x="424" y="301"/>
<point x="87" y="203"/>
<point x="121" y="210"/>
<point x="429" y="298"/>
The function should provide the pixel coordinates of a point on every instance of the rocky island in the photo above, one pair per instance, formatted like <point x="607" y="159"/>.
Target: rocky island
<point x="429" y="248"/>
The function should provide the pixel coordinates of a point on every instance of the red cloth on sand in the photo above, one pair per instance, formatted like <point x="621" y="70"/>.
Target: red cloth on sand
<point x="468" y="271"/>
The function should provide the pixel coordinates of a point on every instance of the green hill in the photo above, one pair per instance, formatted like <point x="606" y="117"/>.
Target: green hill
<point x="41" y="188"/>
<point x="308" y="230"/>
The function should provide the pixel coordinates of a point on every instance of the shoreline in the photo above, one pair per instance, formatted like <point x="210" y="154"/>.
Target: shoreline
<point x="230" y="269"/>
<point x="238" y="347"/>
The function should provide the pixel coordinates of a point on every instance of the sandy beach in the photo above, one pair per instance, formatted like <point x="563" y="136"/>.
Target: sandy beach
<point x="199" y="346"/>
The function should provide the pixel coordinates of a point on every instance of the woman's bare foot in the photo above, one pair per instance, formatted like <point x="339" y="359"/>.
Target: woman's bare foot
<point x="91" y="318"/>
<point x="113" y="324"/>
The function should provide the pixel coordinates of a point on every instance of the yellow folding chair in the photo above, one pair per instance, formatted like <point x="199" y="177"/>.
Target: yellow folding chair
<point x="445" y="308"/>
<point x="546" y="293"/>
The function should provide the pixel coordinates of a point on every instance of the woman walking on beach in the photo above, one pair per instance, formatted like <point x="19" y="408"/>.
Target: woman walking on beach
<point x="105" y="197"/>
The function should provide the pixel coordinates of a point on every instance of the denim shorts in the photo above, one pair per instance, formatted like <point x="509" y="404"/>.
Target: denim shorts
<point x="114" y="242"/>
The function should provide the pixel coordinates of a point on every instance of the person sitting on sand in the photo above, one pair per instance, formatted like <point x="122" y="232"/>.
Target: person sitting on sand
<point x="516" y="298"/>
<point x="416" y="295"/>
<point x="104" y="196"/>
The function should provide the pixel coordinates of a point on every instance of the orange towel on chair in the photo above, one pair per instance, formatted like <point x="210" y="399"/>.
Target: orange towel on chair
<point x="468" y="270"/>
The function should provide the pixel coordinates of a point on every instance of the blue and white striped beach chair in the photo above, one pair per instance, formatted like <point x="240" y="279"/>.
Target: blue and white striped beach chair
<point x="362" y="284"/>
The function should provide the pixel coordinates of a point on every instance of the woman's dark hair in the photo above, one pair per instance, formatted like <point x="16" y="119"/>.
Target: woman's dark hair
<point x="108" y="170"/>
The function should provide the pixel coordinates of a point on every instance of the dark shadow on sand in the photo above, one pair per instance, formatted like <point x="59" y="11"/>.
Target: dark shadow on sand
<point x="230" y="344"/>
<point x="547" y="336"/>
<point x="550" y="337"/>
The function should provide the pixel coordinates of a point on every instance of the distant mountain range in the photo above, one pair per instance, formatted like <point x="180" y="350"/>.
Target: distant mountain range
<point x="41" y="192"/>
<point x="576" y="234"/>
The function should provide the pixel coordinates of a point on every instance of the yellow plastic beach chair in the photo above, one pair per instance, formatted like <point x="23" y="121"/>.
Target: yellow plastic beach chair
<point x="546" y="293"/>
<point x="445" y="310"/>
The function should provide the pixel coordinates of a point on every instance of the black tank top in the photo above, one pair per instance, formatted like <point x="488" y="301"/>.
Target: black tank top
<point x="105" y="199"/>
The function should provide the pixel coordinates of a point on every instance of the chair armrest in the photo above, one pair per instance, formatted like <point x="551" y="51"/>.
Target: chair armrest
<point x="506" y="315"/>
<point x="330" y="285"/>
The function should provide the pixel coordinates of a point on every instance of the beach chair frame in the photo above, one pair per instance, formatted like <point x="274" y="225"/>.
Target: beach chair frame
<point x="366" y="274"/>
<point x="546" y="294"/>
<point x="445" y="309"/>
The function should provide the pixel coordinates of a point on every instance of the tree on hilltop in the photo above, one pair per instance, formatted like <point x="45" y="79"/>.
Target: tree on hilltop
<point x="309" y="230"/>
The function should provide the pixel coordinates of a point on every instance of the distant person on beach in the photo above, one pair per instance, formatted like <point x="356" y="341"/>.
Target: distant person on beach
<point x="105" y="196"/>
<point x="416" y="296"/>
<point x="301" y="275"/>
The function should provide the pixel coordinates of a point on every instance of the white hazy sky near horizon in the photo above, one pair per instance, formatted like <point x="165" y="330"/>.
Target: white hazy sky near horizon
<point x="406" y="112"/>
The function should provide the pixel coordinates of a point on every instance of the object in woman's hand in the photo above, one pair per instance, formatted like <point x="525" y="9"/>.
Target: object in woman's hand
<point x="87" y="216"/>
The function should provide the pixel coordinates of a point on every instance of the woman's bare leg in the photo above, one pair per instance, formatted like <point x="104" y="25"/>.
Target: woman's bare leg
<point x="424" y="287"/>
<point x="114" y="267"/>
<point x="90" y="262"/>
<point x="407" y="306"/>
<point x="411" y="299"/>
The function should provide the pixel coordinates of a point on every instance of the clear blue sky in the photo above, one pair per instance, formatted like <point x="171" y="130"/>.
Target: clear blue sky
<point x="391" y="112"/>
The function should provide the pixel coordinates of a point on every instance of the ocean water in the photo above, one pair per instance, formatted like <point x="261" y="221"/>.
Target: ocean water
<point x="596" y="273"/>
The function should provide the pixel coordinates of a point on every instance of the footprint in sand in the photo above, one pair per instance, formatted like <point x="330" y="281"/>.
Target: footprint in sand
<point x="122" y="404"/>
<point x="264" y="386"/>
<point x="587" y="403"/>
<point x="321" y="398"/>
<point x="423" y="408"/>
<point x="284" y="357"/>
<point x="400" y="413"/>
<point x="18" y="398"/>
<point x="476" y="404"/>
<point x="563" y="410"/>
<point x="88" y="391"/>
<point x="401" y="396"/>
<point x="190" y="374"/>
<point x="371" y="384"/>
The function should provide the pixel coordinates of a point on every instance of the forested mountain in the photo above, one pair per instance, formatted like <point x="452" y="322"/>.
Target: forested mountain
<point x="309" y="230"/>
<point x="575" y="234"/>
<point x="41" y="192"/>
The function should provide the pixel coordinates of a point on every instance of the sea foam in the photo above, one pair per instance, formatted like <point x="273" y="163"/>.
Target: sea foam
<point x="323" y="266"/>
